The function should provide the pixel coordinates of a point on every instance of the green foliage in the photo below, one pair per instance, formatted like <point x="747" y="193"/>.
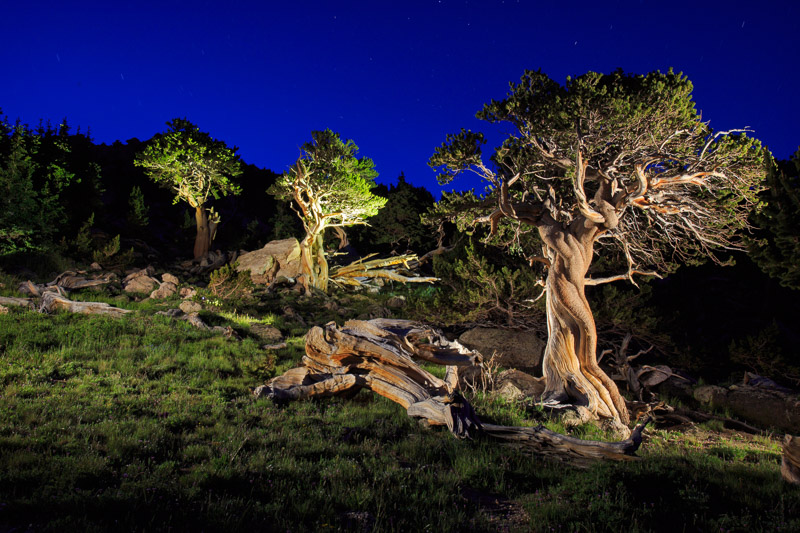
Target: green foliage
<point x="32" y="182"/>
<point x="138" y="209"/>
<point x="228" y="284"/>
<point x="397" y="228"/>
<point x="191" y="162"/>
<point x="618" y="123"/>
<point x="329" y="184"/>
<point x="776" y="247"/>
<point x="482" y="284"/>
<point x="82" y="244"/>
<point x="110" y="257"/>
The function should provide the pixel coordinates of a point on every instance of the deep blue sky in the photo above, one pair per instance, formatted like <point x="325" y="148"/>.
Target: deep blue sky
<point x="393" y="76"/>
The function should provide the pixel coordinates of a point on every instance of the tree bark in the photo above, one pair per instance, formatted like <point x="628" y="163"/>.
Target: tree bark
<point x="202" y="241"/>
<point x="570" y="363"/>
<point x="314" y="265"/>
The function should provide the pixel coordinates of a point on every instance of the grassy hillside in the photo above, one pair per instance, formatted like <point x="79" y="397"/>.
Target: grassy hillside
<point x="147" y="423"/>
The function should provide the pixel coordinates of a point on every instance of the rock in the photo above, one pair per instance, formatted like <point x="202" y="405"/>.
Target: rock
<point x="277" y="258"/>
<point x="3" y="310"/>
<point x="166" y="290"/>
<point x="95" y="266"/>
<point x="195" y="320"/>
<point x="515" y="384"/>
<point x="710" y="394"/>
<point x="265" y="332"/>
<point x="757" y="405"/>
<point x="167" y="277"/>
<point x="293" y="315"/>
<point x="515" y="349"/>
<point x="172" y="313"/>
<point x="139" y="282"/>
<point x="190" y="307"/>
<point x="187" y="292"/>
<point x="396" y="302"/>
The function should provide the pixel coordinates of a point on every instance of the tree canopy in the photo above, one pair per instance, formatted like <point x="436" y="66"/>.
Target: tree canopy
<point x="196" y="167"/>
<point x="328" y="187"/>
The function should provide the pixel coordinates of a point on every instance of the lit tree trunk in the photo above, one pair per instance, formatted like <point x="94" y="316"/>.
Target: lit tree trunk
<point x="313" y="262"/>
<point x="570" y="362"/>
<point x="202" y="242"/>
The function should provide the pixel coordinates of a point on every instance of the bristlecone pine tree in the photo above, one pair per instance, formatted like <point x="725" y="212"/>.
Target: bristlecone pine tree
<point x="619" y="161"/>
<point x="328" y="187"/>
<point x="196" y="166"/>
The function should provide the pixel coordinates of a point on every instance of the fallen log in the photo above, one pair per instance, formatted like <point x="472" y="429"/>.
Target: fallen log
<point x="790" y="464"/>
<point x="380" y="355"/>
<point x="17" y="302"/>
<point x="394" y="268"/>
<point x="52" y="302"/>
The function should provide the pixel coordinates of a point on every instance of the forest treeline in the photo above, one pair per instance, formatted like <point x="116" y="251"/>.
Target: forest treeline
<point x="66" y="200"/>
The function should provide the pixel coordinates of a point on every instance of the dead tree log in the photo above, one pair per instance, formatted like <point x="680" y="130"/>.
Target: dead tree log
<point x="790" y="464"/>
<point x="380" y="355"/>
<point x="393" y="268"/>
<point x="52" y="301"/>
<point x="17" y="302"/>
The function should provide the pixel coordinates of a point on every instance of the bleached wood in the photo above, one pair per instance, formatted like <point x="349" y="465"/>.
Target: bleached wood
<point x="380" y="355"/>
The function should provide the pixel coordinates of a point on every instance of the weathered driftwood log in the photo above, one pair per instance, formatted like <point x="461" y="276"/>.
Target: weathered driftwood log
<point x="393" y="268"/>
<point x="379" y="355"/>
<point x="17" y="302"/>
<point x="52" y="301"/>
<point x="790" y="464"/>
<point x="69" y="281"/>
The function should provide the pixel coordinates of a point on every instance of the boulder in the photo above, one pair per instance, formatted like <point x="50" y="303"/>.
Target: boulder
<point x="3" y="310"/>
<point x="139" y="282"/>
<point x="189" y="307"/>
<point x="396" y="302"/>
<point x="167" y="277"/>
<point x="710" y="394"/>
<point x="166" y="290"/>
<point x="757" y="405"/>
<point x="187" y="292"/>
<point x="276" y="258"/>
<point x="515" y="349"/>
<point x="515" y="384"/>
<point x="265" y="332"/>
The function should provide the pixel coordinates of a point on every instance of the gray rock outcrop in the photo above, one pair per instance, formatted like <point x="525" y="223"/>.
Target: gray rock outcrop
<point x="522" y="350"/>
<point x="277" y="258"/>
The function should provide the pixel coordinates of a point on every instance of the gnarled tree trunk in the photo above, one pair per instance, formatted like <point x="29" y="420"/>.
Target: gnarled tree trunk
<point x="570" y="362"/>
<point x="314" y="265"/>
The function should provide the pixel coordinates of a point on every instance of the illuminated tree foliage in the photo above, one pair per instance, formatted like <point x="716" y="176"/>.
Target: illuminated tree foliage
<point x="328" y="187"/>
<point x="196" y="167"/>
<point x="620" y="161"/>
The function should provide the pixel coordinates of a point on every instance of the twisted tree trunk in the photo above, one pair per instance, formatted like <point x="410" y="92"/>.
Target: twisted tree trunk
<point x="570" y="363"/>
<point x="314" y="265"/>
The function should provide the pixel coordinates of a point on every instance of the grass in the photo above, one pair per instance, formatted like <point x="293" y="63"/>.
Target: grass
<point x="145" y="423"/>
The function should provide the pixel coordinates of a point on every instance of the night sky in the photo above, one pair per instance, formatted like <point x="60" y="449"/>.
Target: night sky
<point x="393" y="76"/>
